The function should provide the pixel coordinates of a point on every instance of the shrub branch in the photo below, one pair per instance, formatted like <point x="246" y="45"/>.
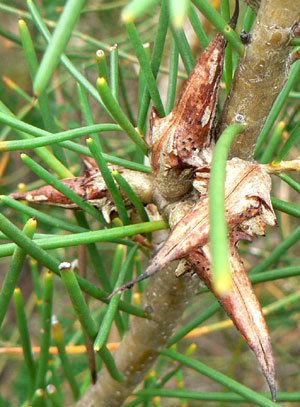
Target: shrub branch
<point x="262" y="72"/>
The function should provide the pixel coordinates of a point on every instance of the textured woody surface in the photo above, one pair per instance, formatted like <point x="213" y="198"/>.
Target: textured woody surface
<point x="167" y="297"/>
<point x="262" y="72"/>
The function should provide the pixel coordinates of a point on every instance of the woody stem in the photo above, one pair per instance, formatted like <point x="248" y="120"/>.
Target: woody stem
<point x="262" y="73"/>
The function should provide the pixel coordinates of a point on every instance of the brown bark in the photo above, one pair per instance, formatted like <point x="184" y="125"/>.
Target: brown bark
<point x="262" y="72"/>
<point x="167" y="297"/>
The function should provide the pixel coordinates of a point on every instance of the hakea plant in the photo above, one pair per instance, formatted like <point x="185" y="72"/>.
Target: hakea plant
<point x="181" y="146"/>
<point x="178" y="189"/>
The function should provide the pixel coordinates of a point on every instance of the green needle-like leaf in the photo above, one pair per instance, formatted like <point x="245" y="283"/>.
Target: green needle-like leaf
<point x="286" y="207"/>
<point x="112" y="308"/>
<point x="92" y="257"/>
<point x="197" y="26"/>
<point x="273" y="144"/>
<point x="145" y="67"/>
<point x="80" y="307"/>
<point x="249" y="19"/>
<point x="43" y="152"/>
<point x="114" y="71"/>
<point x="228" y="68"/>
<point x="117" y="263"/>
<point x="71" y="240"/>
<point x="16" y="88"/>
<point x="44" y="137"/>
<point x="43" y="99"/>
<point x="42" y="217"/>
<point x="95" y="149"/>
<point x="57" y="44"/>
<point x="207" y="9"/>
<point x="118" y="114"/>
<point x="45" y="331"/>
<point x="24" y="335"/>
<point x="219" y="244"/>
<point x="293" y="137"/>
<point x="58" y="338"/>
<point x="156" y="58"/>
<point x="184" y="49"/>
<point x="132" y="196"/>
<point x="276" y="274"/>
<point x="228" y="397"/>
<point x="14" y="271"/>
<point x="226" y="381"/>
<point x="41" y="26"/>
<point x="292" y="183"/>
<point x="172" y="78"/>
<point x="38" y="399"/>
<point x="279" y="251"/>
<point x="277" y="106"/>
<point x="84" y="316"/>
